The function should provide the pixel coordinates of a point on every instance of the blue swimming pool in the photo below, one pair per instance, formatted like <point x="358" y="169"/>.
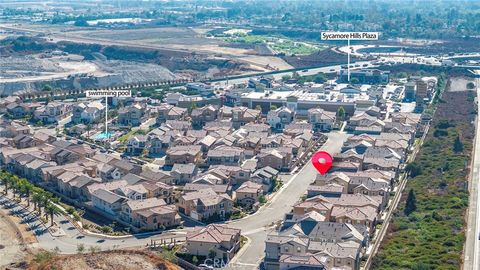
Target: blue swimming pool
<point x="104" y="135"/>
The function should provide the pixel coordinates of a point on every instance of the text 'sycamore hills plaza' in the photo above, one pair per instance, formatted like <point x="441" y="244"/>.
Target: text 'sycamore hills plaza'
<point x="240" y="134"/>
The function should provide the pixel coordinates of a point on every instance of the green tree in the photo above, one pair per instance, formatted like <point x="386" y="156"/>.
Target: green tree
<point x="52" y="210"/>
<point x="458" y="145"/>
<point x="320" y="78"/>
<point x="341" y="113"/>
<point x="286" y="78"/>
<point x="411" y="204"/>
<point x="262" y="199"/>
<point x="212" y="253"/>
<point x="195" y="260"/>
<point x="26" y="190"/>
<point x="37" y="199"/>
<point x="80" y="248"/>
<point x="413" y="169"/>
<point x="47" y="88"/>
<point x="354" y="81"/>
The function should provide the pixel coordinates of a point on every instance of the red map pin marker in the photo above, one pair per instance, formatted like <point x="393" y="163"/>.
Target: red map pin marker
<point x="322" y="161"/>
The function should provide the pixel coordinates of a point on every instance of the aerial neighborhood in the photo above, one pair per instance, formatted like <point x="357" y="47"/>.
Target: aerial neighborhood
<point x="167" y="164"/>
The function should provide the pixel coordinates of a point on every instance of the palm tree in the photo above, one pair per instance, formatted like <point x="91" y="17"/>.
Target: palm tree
<point x="4" y="180"/>
<point x="52" y="210"/>
<point x="46" y="197"/>
<point x="14" y="184"/>
<point x="37" y="199"/>
<point x="27" y="188"/>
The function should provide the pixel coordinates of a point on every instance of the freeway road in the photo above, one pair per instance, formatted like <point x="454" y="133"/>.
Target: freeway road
<point x="310" y="71"/>
<point x="472" y="243"/>
<point x="256" y="226"/>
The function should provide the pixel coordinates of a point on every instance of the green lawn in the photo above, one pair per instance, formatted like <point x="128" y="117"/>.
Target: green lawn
<point x="279" y="45"/>
<point x="127" y="135"/>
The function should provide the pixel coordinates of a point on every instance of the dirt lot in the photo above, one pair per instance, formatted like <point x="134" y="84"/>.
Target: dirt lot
<point x="118" y="260"/>
<point x="12" y="253"/>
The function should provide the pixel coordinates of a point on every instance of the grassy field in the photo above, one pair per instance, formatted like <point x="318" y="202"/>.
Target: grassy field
<point x="432" y="236"/>
<point x="278" y="45"/>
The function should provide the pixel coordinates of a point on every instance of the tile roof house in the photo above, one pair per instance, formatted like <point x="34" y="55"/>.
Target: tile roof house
<point x="309" y="236"/>
<point x="225" y="155"/>
<point x="19" y="110"/>
<point x="244" y="115"/>
<point x="364" y="215"/>
<point x="205" y="204"/>
<point x="321" y="120"/>
<point x="328" y="190"/>
<point x="52" y="112"/>
<point x="133" y="192"/>
<point x="136" y="145"/>
<point x="265" y="176"/>
<point x="149" y="214"/>
<point x="162" y="112"/>
<point x="87" y="112"/>
<point x="107" y="202"/>
<point x="323" y="255"/>
<point x="202" y="115"/>
<point x="219" y="189"/>
<point x="274" y="158"/>
<point x="297" y="128"/>
<point x="382" y="158"/>
<point x="159" y="144"/>
<point x="183" y="173"/>
<point x="131" y="115"/>
<point x="223" y="240"/>
<point x="183" y="154"/>
<point x="248" y="193"/>
<point x="177" y="113"/>
<point x="157" y="176"/>
<point x="279" y="118"/>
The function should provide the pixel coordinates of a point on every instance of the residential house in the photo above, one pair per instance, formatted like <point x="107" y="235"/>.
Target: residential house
<point x="205" y="204"/>
<point x="265" y="176"/>
<point x="225" y="155"/>
<point x="183" y="173"/>
<point x="200" y="116"/>
<point x="159" y="144"/>
<point x="149" y="214"/>
<point x="162" y="112"/>
<point x="310" y="236"/>
<point x="52" y="112"/>
<point x="183" y="154"/>
<point x="244" y="115"/>
<point x="216" y="239"/>
<point x="279" y="118"/>
<point x="131" y="115"/>
<point x="321" y="120"/>
<point x="248" y="194"/>
<point x="21" y="110"/>
<point x="274" y="158"/>
<point x="87" y="113"/>
<point x="136" y="145"/>
<point x="107" y="202"/>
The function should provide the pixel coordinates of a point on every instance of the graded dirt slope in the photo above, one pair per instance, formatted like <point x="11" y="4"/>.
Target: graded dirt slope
<point x="13" y="239"/>
<point x="118" y="260"/>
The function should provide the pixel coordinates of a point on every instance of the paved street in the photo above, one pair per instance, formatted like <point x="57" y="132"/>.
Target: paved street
<point x="472" y="250"/>
<point x="73" y="237"/>
<point x="255" y="227"/>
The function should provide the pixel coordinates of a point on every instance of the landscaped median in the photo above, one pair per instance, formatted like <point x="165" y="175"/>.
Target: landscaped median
<point x="427" y="230"/>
